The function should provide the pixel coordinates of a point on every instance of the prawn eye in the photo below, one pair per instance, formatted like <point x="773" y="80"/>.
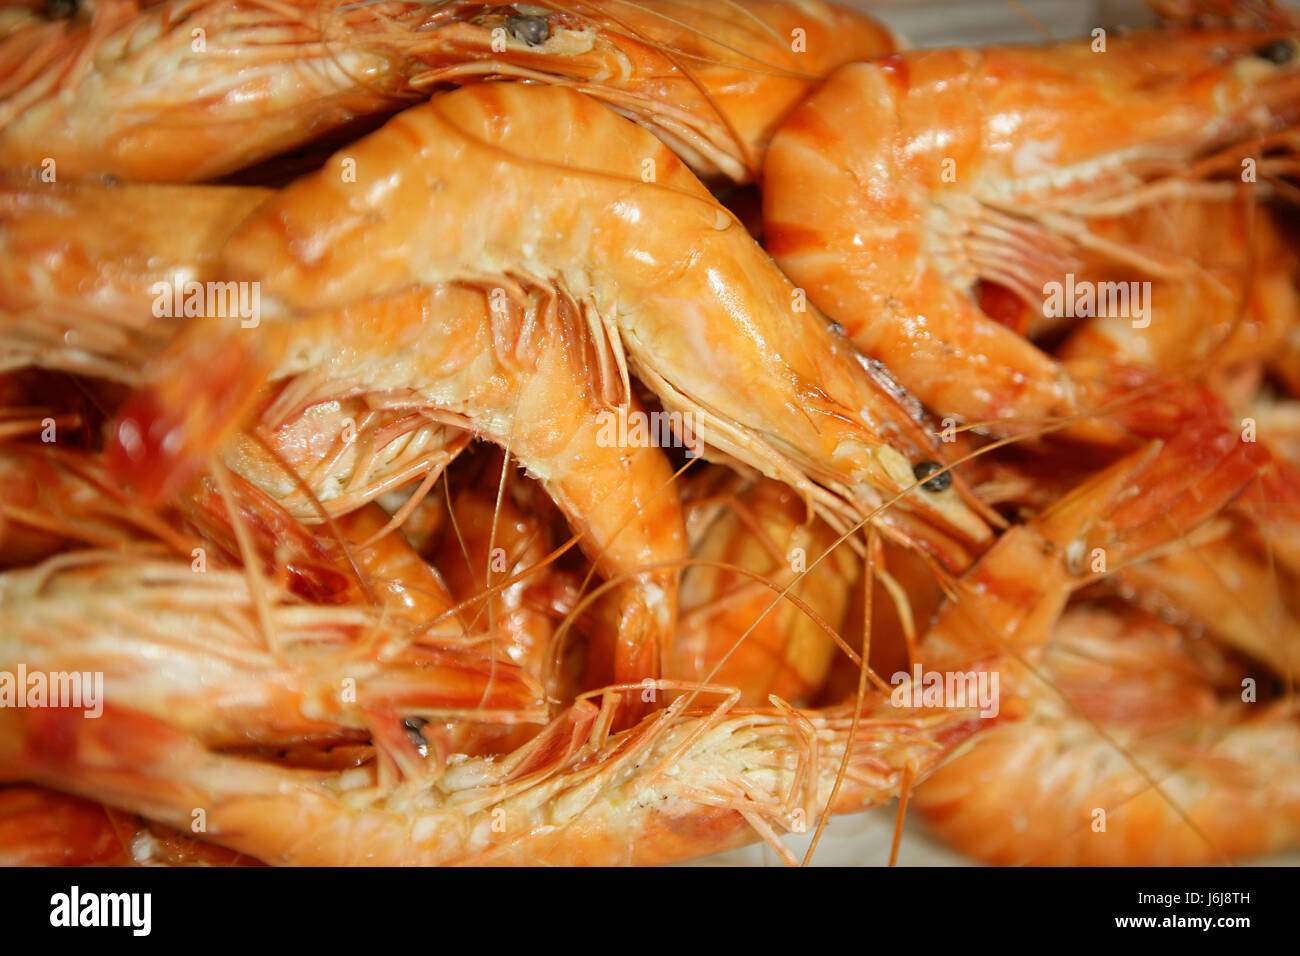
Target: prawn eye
<point x="528" y="29"/>
<point x="61" y="9"/>
<point x="413" y="726"/>
<point x="1278" y="52"/>
<point x="932" y="476"/>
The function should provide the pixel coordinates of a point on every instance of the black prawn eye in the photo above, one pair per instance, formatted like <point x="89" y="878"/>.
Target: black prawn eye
<point x="413" y="726"/>
<point x="528" y="29"/>
<point x="1278" y="52"/>
<point x="61" y="9"/>
<point x="932" y="476"/>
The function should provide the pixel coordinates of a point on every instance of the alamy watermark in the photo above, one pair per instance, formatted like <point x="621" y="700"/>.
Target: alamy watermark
<point x="1083" y="299"/>
<point x="623" y="429"/>
<point x="946" y="689"/>
<point x="82" y="690"/>
<point x="177" y="299"/>
<point x="75" y="908"/>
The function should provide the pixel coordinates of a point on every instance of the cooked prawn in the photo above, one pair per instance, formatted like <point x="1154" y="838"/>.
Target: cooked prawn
<point x="1222" y="582"/>
<point x="650" y="277"/>
<point x="330" y="442"/>
<point x="899" y="183"/>
<point x="337" y="454"/>
<point x="1122" y="727"/>
<point x="281" y="674"/>
<point x="54" y="498"/>
<point x="189" y="90"/>
<point x="1138" y="751"/>
<point x="573" y="795"/>
<point x="435" y="354"/>
<point x="90" y="273"/>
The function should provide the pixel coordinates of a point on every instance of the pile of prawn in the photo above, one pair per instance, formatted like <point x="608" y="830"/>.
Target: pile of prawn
<point x="616" y="432"/>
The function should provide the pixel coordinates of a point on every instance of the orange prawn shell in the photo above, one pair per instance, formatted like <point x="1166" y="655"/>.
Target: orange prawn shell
<point x="898" y="183"/>
<point x="86" y="94"/>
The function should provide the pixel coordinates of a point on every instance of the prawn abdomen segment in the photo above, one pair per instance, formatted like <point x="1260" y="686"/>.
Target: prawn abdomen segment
<point x="882" y="236"/>
<point x="490" y="180"/>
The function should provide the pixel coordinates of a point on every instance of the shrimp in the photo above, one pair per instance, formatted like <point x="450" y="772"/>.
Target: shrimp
<point x="1100" y="722"/>
<point x="653" y="278"/>
<point x="196" y="89"/>
<point x="274" y="671"/>
<point x="1206" y="542"/>
<point x="436" y="354"/>
<point x="58" y="498"/>
<point x="90" y="277"/>
<point x="756" y="555"/>
<point x="898" y="183"/>
<point x="323" y="456"/>
<point x="1147" y="753"/>
<point x="374" y="565"/>
<point x="357" y="562"/>
<point x="405" y="583"/>
<point x="574" y="795"/>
